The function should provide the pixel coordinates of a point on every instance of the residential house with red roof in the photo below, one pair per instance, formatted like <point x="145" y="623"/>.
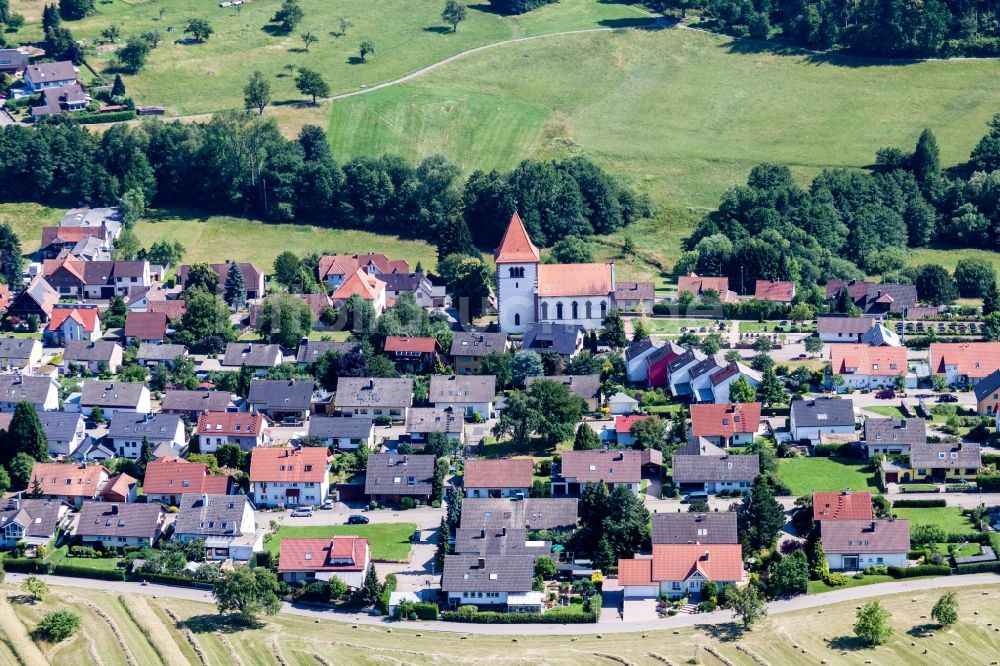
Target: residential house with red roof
<point x="246" y="430"/>
<point x="75" y="483"/>
<point x="346" y="558"/>
<point x="56" y="240"/>
<point x="698" y="285"/>
<point x="682" y="570"/>
<point x="413" y="355"/>
<point x="843" y="505"/>
<point x="38" y="299"/>
<point x="964" y="362"/>
<point x="863" y="366"/>
<point x="148" y="327"/>
<point x="70" y="322"/>
<point x="167" y="479"/>
<point x="289" y="476"/>
<point x="727" y="424"/>
<point x="74" y="277"/>
<point x="333" y="270"/>
<point x="775" y="291"/>
<point x="365" y="286"/>
<point x="498" y="478"/>
<point x="623" y="428"/>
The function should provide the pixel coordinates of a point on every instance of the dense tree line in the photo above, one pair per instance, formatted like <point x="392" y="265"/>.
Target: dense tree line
<point x="848" y="223"/>
<point x="240" y="163"/>
<point x="872" y="27"/>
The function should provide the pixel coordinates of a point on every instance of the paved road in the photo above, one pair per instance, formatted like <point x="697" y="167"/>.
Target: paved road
<point x="622" y="626"/>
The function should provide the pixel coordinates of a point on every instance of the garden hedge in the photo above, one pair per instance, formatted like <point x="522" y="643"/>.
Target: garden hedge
<point x="922" y="570"/>
<point x="493" y="617"/>
<point x="978" y="567"/>
<point x="87" y="572"/>
<point x="21" y="564"/>
<point x="919" y="503"/>
<point x="111" y="117"/>
<point x="425" y="611"/>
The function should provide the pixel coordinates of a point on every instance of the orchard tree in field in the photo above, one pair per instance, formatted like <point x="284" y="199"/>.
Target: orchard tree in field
<point x="453" y="14"/>
<point x="945" y="611"/>
<point x="235" y="292"/>
<point x="132" y="57"/>
<point x="199" y="28"/>
<point x="367" y="48"/>
<point x="111" y="33"/>
<point x="873" y="623"/>
<point x="343" y="25"/>
<point x="308" y="39"/>
<point x="310" y="83"/>
<point x="288" y="16"/>
<point x="257" y="93"/>
<point x="35" y="588"/>
<point x="74" y="10"/>
<point x="57" y="626"/>
<point x="248" y="592"/>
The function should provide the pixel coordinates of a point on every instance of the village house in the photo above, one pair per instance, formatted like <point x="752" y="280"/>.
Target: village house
<point x="874" y="299"/>
<point x="833" y="329"/>
<point x="944" y="463"/>
<point x="77" y="278"/>
<point x="422" y="421"/>
<point x="114" y="397"/>
<point x="530" y="513"/>
<point x="622" y="403"/>
<point x="863" y="366"/>
<point x="346" y="433"/>
<point x="65" y="432"/>
<point x="145" y="327"/>
<point x="310" y="351"/>
<point x="893" y="436"/>
<point x="37" y="300"/>
<point x="32" y="521"/>
<point x="880" y="336"/>
<point x="174" y="309"/>
<point x="810" y="419"/>
<point x="95" y="356"/>
<point x="245" y="430"/>
<point x="57" y="240"/>
<point x="72" y="322"/>
<point x="987" y="392"/>
<point x="113" y="525"/>
<point x="623" y="436"/>
<point x="127" y="432"/>
<point x="852" y="545"/>
<point x="168" y="479"/>
<point x="412" y="355"/>
<point x="333" y="270"/>
<point x="781" y="292"/>
<point x="695" y="528"/>
<point x="498" y="478"/>
<point x="563" y="339"/>
<point x="701" y="287"/>
<point x="614" y="468"/>
<point x="417" y="284"/>
<point x="304" y="560"/>
<point x="374" y="397"/>
<point x="471" y="395"/>
<point x="505" y="541"/>
<point x="635" y="296"/>
<point x="679" y="570"/>
<point x="289" y="476"/>
<point x="494" y="582"/>
<point x="391" y="477"/>
<point x="363" y="285"/>
<point x="41" y="391"/>
<point x="727" y="424"/>
<point x="152" y="355"/>
<point x="964" y="362"/>
<point x="586" y="387"/>
<point x="258" y="357"/>
<point x="13" y="62"/>
<point x="76" y="483"/>
<point x="658" y="364"/>
<point x="225" y="522"/>
<point x="700" y="466"/>
<point x="281" y="400"/>
<point x="64" y="99"/>
<point x="194" y="403"/>
<point x="46" y="75"/>
<point x="19" y="354"/>
<point x="253" y="278"/>
<point x="109" y="218"/>
<point x="843" y="505"/>
<point x="469" y="348"/>
<point x="636" y="370"/>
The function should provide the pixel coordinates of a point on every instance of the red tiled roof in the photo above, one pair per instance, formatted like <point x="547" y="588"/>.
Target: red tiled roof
<point x="574" y="280"/>
<point x="52" y="235"/>
<point x="774" y="290"/>
<point x="865" y="360"/>
<point x="516" y="246"/>
<point x="117" y="488"/>
<point x="395" y="343"/>
<point x="514" y="473"/>
<point x="69" y="480"/>
<point x="173" y="309"/>
<point x="623" y="424"/>
<point x="973" y="359"/>
<point x="286" y="464"/>
<point x="842" y="506"/>
<point x="146" y="325"/>
<point x="696" y="284"/>
<point x="320" y="554"/>
<point x="231" y="423"/>
<point x="175" y="476"/>
<point x="359" y="284"/>
<point x="87" y="318"/>
<point x="346" y="264"/>
<point x="725" y="419"/>
<point x="715" y="561"/>
<point x="635" y="572"/>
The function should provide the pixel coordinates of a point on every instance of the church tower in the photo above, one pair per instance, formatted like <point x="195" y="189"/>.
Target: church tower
<point x="517" y="261"/>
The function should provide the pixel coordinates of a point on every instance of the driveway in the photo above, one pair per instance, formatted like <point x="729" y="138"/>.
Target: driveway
<point x="640" y="610"/>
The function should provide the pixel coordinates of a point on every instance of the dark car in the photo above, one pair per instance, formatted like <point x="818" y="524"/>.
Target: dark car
<point x="947" y="397"/>
<point x="885" y="394"/>
<point x="357" y="520"/>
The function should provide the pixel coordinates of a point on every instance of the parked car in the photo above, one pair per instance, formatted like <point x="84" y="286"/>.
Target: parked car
<point x="327" y="505"/>
<point x="947" y="397"/>
<point x="357" y="519"/>
<point x="303" y="512"/>
<point x="693" y="497"/>
<point x="885" y="394"/>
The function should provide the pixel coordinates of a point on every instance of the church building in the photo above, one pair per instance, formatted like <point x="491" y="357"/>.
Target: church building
<point x="530" y="291"/>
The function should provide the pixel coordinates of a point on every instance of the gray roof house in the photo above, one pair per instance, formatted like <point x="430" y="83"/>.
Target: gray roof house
<point x="116" y="525"/>
<point x="391" y="477"/>
<point x="960" y="456"/>
<point x="890" y="435"/>
<point x="695" y="528"/>
<point x="151" y="355"/>
<point x="65" y="431"/>
<point x="485" y="541"/>
<point x="19" y="352"/>
<point x="309" y="351"/>
<point x="477" y="344"/>
<point x="344" y="432"/>
<point x="498" y="581"/>
<point x="702" y="466"/>
<point x="532" y="513"/>
<point x="422" y="421"/>
<point x="254" y="355"/>
<point x="112" y="397"/>
<point x="470" y="394"/>
<point x="91" y="354"/>
<point x="823" y="416"/>
<point x="34" y="521"/>
<point x="225" y="522"/>
<point x="128" y="430"/>
<point x="563" y="339"/>
<point x="193" y="403"/>
<point x="281" y="399"/>
<point x="40" y="390"/>
<point x="374" y="397"/>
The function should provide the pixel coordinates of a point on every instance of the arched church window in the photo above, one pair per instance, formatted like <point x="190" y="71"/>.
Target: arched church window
<point x="517" y="319"/>
<point x="589" y="308"/>
<point x="559" y="310"/>
<point x="545" y="310"/>
<point x="604" y="309"/>
<point x="576" y="310"/>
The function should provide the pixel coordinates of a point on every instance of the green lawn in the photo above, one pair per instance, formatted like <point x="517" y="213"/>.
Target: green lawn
<point x="388" y="541"/>
<point x="817" y="586"/>
<point x="807" y="475"/>
<point x="948" y="518"/>
<point x="27" y="220"/>
<point x="886" y="410"/>
<point x="673" y="326"/>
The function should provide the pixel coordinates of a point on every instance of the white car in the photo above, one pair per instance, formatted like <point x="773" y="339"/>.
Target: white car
<point x="303" y="512"/>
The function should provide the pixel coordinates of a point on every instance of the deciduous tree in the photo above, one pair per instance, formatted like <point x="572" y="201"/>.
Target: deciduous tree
<point x="257" y="93"/>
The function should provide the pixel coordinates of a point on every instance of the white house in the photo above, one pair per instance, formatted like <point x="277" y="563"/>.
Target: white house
<point x="225" y="522"/>
<point x="681" y="570"/>
<point x="823" y="416"/>
<point x="128" y="430"/>
<point x="346" y="558"/>
<point x="622" y="403"/>
<point x="65" y="431"/>
<point x="114" y="397"/>
<point x="346" y="433"/>
<point x="498" y="478"/>
<point x="636" y="367"/>
<point x="20" y="354"/>
<point x="862" y="366"/>
<point x="40" y="390"/>
<point x="289" y="476"/>
<point x="114" y="525"/>
<point x="466" y="394"/>
<point x="244" y="429"/>
<point x="852" y="545"/>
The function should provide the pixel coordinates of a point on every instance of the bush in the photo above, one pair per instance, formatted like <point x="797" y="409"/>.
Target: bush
<point x="922" y="570"/>
<point x="978" y="567"/>
<point x="831" y="450"/>
<point x="835" y="579"/>
<point x="83" y="551"/>
<point x="706" y="606"/>
<point x="57" y="626"/>
<point x="383" y="420"/>
<point x="919" y="503"/>
<point x="111" y="117"/>
<point x="425" y="611"/>
<point x="317" y="591"/>
<point x="877" y="570"/>
<point x="407" y="503"/>
<point x="87" y="572"/>
<point x="469" y="614"/>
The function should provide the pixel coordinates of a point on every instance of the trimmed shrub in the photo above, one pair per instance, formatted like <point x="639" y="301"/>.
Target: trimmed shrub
<point x="110" y="117"/>
<point x="407" y="503"/>
<point x="835" y="579"/>
<point x="87" y="572"/>
<point x="919" y="503"/>
<point x="922" y="570"/>
<point x="493" y="617"/>
<point x="20" y="564"/>
<point x="425" y="611"/>
<point x="877" y="570"/>
<point x="977" y="567"/>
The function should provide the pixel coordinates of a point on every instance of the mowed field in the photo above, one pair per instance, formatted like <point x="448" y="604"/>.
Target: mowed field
<point x="162" y="631"/>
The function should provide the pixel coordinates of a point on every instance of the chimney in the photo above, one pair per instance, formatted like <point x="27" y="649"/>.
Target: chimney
<point x="503" y="532"/>
<point x="114" y="509"/>
<point x="371" y="383"/>
<point x="15" y="501"/>
<point x="481" y="563"/>
<point x="707" y="555"/>
<point x="204" y="499"/>
<point x="902" y="424"/>
<point x="847" y="492"/>
<point x="482" y="533"/>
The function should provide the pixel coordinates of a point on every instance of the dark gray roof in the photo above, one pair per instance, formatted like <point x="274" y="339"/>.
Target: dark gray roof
<point x="310" y="350"/>
<point x="906" y="432"/>
<point x="492" y="573"/>
<point x="210" y="515"/>
<point x="587" y="387"/>
<point x="118" y="519"/>
<point x="823" y="412"/>
<point x="988" y="384"/>
<point x="19" y="348"/>
<point x="477" y="344"/>
<point x="688" y="357"/>
<point x="641" y="346"/>
<point x="848" y="325"/>
<point x="39" y="517"/>
<point x="708" y="468"/>
<point x="394" y="474"/>
<point x="150" y="352"/>
<point x="531" y="513"/>
<point x="281" y="394"/>
<point x="196" y="401"/>
<point x="152" y="426"/>
<point x="559" y="338"/>
<point x="13" y="59"/>
<point x="949" y="456"/>
<point x="111" y="394"/>
<point x="18" y="387"/>
<point x="694" y="528"/>
<point x="495" y="541"/>
<point x="252" y="355"/>
<point x="340" y="426"/>
<point x="60" y="426"/>
<point x="634" y="291"/>
<point x="434" y="419"/>
<point x="89" y="351"/>
<point x="373" y="392"/>
<point x="403" y="282"/>
<point x="448" y="389"/>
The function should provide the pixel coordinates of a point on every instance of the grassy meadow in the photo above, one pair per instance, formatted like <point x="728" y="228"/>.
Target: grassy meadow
<point x="807" y="475"/>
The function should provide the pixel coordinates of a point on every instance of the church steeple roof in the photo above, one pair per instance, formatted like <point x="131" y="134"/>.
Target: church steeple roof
<point x="516" y="246"/>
